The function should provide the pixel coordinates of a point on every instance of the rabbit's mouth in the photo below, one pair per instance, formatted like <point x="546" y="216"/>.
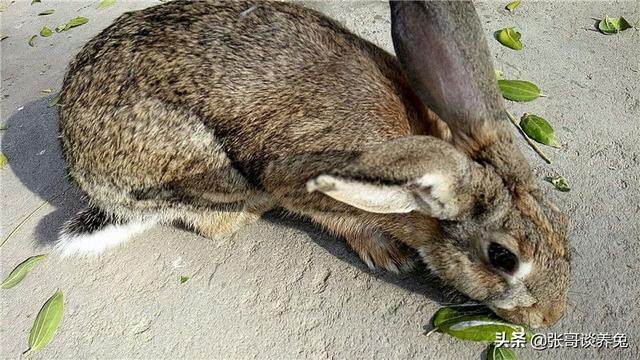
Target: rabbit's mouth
<point x="535" y="316"/>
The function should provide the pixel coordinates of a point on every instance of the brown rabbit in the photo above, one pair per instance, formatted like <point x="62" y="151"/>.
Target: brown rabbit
<point x="209" y="113"/>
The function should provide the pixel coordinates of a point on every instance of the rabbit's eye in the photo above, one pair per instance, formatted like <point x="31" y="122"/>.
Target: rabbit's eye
<point x="501" y="258"/>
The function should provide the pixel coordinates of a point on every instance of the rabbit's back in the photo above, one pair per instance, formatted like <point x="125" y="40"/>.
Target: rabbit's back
<point x="268" y="82"/>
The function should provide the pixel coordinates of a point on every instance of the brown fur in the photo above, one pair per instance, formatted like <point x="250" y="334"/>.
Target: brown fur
<point x="199" y="113"/>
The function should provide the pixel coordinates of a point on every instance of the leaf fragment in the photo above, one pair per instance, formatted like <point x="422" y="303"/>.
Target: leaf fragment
<point x="47" y="12"/>
<point x="46" y="32"/>
<point x="184" y="279"/>
<point x="32" y="40"/>
<point x="500" y="353"/>
<point x="512" y="5"/>
<point x="510" y="38"/>
<point x="473" y="327"/>
<point x="610" y="25"/>
<point x="54" y="101"/>
<point x="35" y="1"/>
<point x="560" y="183"/>
<point x="21" y="271"/>
<point x="499" y="73"/>
<point x="47" y="91"/>
<point x="519" y="90"/>
<point x="105" y="3"/>
<point x="46" y="322"/>
<point x="539" y="129"/>
<point x="4" y="161"/>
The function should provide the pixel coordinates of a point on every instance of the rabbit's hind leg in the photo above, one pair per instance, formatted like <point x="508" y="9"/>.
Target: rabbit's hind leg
<point x="224" y="218"/>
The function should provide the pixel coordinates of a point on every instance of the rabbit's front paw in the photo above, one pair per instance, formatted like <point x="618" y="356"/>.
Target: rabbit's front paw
<point x="379" y="250"/>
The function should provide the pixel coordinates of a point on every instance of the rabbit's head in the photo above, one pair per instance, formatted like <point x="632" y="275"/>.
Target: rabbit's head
<point x="497" y="239"/>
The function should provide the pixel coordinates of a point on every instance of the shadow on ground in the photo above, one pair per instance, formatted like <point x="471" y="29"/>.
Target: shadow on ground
<point x="30" y="143"/>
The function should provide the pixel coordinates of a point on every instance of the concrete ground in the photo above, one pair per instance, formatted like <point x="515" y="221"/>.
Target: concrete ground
<point x="282" y="288"/>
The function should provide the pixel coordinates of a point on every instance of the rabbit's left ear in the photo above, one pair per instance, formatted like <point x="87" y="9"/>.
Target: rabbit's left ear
<point x="444" y="53"/>
<point x="418" y="173"/>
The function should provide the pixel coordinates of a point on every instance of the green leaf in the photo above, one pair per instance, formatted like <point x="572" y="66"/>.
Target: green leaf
<point x="510" y="38"/>
<point x="560" y="183"/>
<point x="500" y="353"/>
<point x="80" y="20"/>
<point x="21" y="271"/>
<point x="47" y="12"/>
<point x="513" y="5"/>
<point x="54" y="101"/>
<point x="46" y="32"/>
<point x="473" y="327"/>
<point x="105" y="3"/>
<point x="519" y="90"/>
<point x="610" y="25"/>
<point x="32" y="40"/>
<point x="46" y="323"/>
<point x="4" y="161"/>
<point x="539" y="129"/>
<point x="183" y="279"/>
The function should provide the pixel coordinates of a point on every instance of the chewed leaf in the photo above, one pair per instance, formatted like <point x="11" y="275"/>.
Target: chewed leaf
<point x="21" y="271"/>
<point x="47" y="12"/>
<point x="510" y="38"/>
<point x="560" y="183"/>
<point x="513" y="5"/>
<point x="539" y="129"/>
<point x="46" y="32"/>
<point x="105" y="3"/>
<point x="46" y="323"/>
<point x="32" y="40"/>
<point x="183" y="279"/>
<point x="3" y="161"/>
<point x="519" y="90"/>
<point x="500" y="353"/>
<point x="609" y="25"/>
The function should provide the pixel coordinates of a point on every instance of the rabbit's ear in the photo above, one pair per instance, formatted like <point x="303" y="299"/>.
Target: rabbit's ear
<point x="444" y="53"/>
<point x="432" y="194"/>
<point x="414" y="173"/>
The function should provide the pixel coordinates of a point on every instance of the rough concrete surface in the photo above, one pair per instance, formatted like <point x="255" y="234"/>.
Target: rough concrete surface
<point x="281" y="288"/>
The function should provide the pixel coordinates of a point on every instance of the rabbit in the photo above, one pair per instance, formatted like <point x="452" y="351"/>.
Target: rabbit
<point x="207" y="114"/>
